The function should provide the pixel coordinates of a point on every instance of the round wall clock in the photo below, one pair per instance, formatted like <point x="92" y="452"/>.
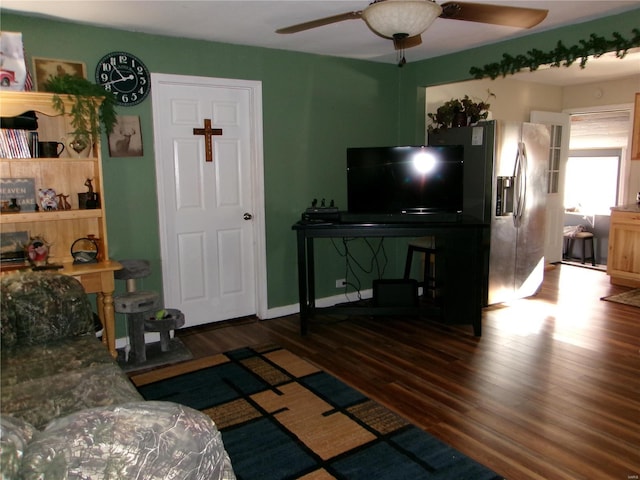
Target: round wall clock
<point x="125" y="76"/>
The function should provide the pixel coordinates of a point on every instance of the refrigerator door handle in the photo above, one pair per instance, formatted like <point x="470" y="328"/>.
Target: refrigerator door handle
<point x="520" y="175"/>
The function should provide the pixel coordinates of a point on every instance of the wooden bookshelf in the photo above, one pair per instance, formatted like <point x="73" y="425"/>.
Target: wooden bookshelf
<point x="66" y="175"/>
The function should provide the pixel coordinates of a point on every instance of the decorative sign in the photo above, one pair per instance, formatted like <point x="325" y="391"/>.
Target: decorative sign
<point x="22" y="189"/>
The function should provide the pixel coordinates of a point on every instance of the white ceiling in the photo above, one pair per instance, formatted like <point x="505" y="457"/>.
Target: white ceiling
<point x="254" y="23"/>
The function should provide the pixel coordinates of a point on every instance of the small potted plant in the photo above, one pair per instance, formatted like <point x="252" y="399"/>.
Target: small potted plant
<point x="459" y="113"/>
<point x="92" y="106"/>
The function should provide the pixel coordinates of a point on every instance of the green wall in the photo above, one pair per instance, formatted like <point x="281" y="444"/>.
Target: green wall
<point x="314" y="107"/>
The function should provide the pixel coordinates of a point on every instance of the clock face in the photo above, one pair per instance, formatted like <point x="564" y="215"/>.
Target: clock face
<point x="125" y="76"/>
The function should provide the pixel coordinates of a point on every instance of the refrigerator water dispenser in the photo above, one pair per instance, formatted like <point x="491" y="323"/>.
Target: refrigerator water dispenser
<point x="505" y="194"/>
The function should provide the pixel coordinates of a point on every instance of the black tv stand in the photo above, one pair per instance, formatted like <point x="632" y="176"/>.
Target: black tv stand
<point x="462" y="248"/>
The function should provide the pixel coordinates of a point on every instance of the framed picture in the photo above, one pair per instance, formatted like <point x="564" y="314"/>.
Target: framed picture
<point x="13" y="246"/>
<point x="126" y="138"/>
<point x="43" y="68"/>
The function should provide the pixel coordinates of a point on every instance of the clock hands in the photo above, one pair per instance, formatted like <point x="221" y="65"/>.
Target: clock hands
<point x="118" y="72"/>
<point x="121" y="79"/>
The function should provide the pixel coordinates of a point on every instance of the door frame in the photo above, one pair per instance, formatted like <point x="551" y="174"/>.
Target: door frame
<point x="254" y="88"/>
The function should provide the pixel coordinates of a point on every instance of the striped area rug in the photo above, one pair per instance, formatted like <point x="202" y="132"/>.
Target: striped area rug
<point x="283" y="418"/>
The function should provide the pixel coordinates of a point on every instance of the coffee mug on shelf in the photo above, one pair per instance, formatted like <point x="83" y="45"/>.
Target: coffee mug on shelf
<point x="50" y="149"/>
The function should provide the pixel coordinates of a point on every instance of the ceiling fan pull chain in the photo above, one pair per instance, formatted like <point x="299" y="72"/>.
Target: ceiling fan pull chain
<point x="399" y="40"/>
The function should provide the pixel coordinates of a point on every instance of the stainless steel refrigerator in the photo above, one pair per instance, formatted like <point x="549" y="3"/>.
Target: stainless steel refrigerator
<point x="505" y="184"/>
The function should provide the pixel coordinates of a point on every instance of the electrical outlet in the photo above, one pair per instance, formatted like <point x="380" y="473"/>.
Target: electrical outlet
<point x="341" y="282"/>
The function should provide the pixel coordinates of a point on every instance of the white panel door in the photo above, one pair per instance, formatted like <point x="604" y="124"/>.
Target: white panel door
<point x="207" y="208"/>
<point x="560" y="124"/>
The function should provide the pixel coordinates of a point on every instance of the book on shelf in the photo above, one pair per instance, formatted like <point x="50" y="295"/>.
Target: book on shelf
<point x="15" y="143"/>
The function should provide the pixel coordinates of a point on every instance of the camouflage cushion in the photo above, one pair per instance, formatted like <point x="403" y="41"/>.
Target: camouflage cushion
<point x="145" y="440"/>
<point x="53" y="364"/>
<point x="41" y="382"/>
<point x="37" y="307"/>
<point x="15" y="434"/>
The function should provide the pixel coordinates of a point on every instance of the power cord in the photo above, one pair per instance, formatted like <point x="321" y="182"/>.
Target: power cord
<point x="351" y="263"/>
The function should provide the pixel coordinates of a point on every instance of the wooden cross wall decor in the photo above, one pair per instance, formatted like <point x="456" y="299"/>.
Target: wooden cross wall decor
<point x="208" y="133"/>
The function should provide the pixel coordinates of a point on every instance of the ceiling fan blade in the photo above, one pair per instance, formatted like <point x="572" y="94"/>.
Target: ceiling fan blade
<point x="408" y="42"/>
<point x="320" y="22"/>
<point x="495" y="14"/>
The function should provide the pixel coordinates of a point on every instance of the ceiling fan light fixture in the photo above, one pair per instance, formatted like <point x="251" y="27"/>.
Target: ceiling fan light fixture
<point x="401" y="17"/>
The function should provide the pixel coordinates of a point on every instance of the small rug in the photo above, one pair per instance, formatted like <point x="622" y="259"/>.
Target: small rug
<point x="283" y="418"/>
<point x="632" y="297"/>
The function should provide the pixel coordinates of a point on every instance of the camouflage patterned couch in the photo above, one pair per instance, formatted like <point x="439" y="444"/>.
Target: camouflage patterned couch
<point x="69" y="411"/>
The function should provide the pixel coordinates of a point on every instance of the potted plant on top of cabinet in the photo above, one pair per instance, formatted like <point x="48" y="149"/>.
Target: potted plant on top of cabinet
<point x="92" y="108"/>
<point x="459" y="112"/>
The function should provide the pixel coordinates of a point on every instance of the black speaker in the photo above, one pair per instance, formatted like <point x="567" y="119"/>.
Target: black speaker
<point x="395" y="293"/>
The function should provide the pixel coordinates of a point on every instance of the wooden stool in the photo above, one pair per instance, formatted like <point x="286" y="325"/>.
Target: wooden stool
<point x="584" y="237"/>
<point x="424" y="245"/>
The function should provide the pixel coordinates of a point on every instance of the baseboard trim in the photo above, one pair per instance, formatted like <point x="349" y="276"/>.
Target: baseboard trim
<point x="287" y="310"/>
<point x="271" y="313"/>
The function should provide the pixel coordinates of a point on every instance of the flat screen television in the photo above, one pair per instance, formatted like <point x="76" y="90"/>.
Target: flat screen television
<point x="405" y="180"/>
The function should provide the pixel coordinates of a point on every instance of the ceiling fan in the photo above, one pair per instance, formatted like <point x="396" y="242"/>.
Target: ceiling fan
<point x="404" y="20"/>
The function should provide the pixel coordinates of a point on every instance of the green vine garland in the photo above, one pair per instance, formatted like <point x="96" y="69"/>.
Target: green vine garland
<point x="560" y="56"/>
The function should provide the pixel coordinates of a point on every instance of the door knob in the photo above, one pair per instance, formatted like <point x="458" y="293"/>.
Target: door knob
<point x="247" y="216"/>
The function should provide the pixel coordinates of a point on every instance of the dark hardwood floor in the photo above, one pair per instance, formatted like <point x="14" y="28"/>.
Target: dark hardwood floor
<point x="550" y="390"/>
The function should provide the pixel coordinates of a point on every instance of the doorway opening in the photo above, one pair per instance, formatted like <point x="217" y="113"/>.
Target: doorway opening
<point x="594" y="178"/>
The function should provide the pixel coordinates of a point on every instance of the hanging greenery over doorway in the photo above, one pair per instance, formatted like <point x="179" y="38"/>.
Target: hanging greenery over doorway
<point x="559" y="56"/>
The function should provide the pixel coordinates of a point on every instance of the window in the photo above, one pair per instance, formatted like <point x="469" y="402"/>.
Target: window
<point x="591" y="186"/>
